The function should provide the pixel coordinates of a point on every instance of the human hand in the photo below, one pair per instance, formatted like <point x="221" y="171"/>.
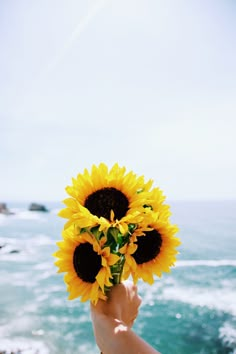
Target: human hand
<point x="113" y="319"/>
<point x="122" y="304"/>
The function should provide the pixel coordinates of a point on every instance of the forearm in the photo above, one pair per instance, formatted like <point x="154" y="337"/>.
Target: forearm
<point x="113" y="337"/>
<point x="127" y="342"/>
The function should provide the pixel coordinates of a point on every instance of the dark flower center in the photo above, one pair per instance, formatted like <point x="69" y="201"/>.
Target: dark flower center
<point x="87" y="263"/>
<point x="148" y="247"/>
<point x="101" y="202"/>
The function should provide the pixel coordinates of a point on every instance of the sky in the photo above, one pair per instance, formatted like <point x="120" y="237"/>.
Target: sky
<point x="150" y="84"/>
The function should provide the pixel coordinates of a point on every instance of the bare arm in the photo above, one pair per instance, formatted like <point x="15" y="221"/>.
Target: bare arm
<point x="112" y="322"/>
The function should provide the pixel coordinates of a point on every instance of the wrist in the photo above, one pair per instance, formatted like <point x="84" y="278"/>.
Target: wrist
<point x="119" y="326"/>
<point x="114" y="323"/>
<point x="107" y="331"/>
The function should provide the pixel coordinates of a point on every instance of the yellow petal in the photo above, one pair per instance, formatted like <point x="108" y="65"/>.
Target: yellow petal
<point x="101" y="276"/>
<point x="123" y="249"/>
<point x="106" y="251"/>
<point x="71" y="203"/>
<point x="65" y="213"/>
<point x="104" y="262"/>
<point x="113" y="259"/>
<point x="147" y="276"/>
<point x="132" y="248"/>
<point x="131" y="262"/>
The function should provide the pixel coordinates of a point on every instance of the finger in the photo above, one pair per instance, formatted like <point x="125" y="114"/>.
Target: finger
<point x="131" y="322"/>
<point x="139" y="300"/>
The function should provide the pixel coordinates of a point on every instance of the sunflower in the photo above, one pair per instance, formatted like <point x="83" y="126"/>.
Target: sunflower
<point x="106" y="198"/>
<point x="86" y="263"/>
<point x="155" y="203"/>
<point x="151" y="251"/>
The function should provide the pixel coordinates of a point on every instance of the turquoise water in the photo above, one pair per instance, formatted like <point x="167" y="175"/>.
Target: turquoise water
<point x="192" y="310"/>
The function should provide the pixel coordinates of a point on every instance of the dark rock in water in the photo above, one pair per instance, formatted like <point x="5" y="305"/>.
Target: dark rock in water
<point x="14" y="251"/>
<point x="37" y="207"/>
<point x="4" y="209"/>
<point x="8" y="249"/>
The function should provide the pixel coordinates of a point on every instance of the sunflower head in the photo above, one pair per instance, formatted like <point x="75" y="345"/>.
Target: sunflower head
<point x="106" y="198"/>
<point x="151" y="251"/>
<point x="86" y="262"/>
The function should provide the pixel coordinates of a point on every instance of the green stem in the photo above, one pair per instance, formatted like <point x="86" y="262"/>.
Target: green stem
<point x="117" y="270"/>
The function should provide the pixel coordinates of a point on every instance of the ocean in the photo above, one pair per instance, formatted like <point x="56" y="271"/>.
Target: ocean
<point x="191" y="310"/>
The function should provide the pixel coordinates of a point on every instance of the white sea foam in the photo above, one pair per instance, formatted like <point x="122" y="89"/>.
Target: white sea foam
<point x="40" y="240"/>
<point x="43" y="266"/>
<point x="217" y="299"/>
<point x="22" y="345"/>
<point x="206" y="263"/>
<point x="16" y="248"/>
<point x="55" y="211"/>
<point x="28" y="215"/>
<point x="221" y="299"/>
<point x="19" y="214"/>
<point x="227" y="333"/>
<point x="3" y="219"/>
<point x="23" y="279"/>
<point x="87" y="348"/>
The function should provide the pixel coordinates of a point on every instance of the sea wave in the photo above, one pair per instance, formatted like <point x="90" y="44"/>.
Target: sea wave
<point x="206" y="263"/>
<point x="28" y="215"/>
<point x="23" y="215"/>
<point x="39" y="239"/>
<point x="216" y="299"/>
<point x="17" y="249"/>
<point x="22" y="345"/>
<point x="55" y="211"/>
<point x="227" y="334"/>
<point x="3" y="219"/>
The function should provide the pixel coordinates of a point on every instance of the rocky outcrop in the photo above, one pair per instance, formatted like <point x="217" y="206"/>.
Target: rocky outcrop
<point x="37" y="207"/>
<point x="4" y="209"/>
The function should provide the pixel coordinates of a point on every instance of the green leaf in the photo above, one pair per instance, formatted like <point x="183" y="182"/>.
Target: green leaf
<point x="96" y="233"/>
<point x="113" y="232"/>
<point x="132" y="227"/>
<point x="83" y="230"/>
